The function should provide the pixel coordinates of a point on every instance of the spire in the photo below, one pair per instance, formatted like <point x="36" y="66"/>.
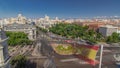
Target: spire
<point x="19" y="15"/>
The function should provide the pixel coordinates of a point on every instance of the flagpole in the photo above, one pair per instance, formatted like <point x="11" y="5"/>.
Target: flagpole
<point x="101" y="51"/>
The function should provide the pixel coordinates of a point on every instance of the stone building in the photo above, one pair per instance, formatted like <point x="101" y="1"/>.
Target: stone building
<point x="4" y="56"/>
<point x="26" y="28"/>
<point x="107" y="30"/>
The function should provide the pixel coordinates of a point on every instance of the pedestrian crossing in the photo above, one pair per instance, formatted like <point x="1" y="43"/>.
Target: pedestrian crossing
<point x="84" y="62"/>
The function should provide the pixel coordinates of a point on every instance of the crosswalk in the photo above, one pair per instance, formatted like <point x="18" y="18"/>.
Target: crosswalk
<point x="82" y="61"/>
<point x="74" y="60"/>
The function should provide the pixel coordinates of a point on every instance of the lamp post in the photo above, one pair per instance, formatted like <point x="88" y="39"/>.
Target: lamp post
<point x="101" y="51"/>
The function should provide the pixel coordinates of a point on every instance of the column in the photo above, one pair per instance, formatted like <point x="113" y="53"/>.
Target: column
<point x="1" y="56"/>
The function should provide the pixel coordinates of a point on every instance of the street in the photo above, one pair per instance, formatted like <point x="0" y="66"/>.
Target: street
<point x="41" y="55"/>
<point x="108" y="59"/>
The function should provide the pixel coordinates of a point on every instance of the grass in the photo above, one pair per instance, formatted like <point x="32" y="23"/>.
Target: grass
<point x="65" y="49"/>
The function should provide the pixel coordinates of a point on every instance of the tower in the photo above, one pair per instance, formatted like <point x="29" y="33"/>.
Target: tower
<point x="4" y="57"/>
<point x="47" y="18"/>
<point x="21" y="19"/>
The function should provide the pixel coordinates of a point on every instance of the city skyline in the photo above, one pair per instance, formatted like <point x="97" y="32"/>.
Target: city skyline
<point x="61" y="8"/>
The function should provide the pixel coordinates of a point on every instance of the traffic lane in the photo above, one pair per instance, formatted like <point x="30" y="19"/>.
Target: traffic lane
<point x="76" y="65"/>
<point x="69" y="64"/>
<point x="107" y="62"/>
<point x="46" y="48"/>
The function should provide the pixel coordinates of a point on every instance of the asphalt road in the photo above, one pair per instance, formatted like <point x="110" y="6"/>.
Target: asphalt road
<point x="71" y="61"/>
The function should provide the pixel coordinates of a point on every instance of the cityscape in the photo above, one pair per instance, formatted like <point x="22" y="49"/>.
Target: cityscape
<point x="59" y="34"/>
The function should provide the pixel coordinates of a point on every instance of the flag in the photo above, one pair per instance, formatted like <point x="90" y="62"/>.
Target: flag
<point x="87" y="53"/>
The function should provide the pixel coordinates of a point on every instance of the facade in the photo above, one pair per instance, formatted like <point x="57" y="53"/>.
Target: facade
<point x="107" y="30"/>
<point x="46" y="22"/>
<point x="20" y="19"/>
<point x="26" y="28"/>
<point x="4" y="56"/>
<point x="92" y="25"/>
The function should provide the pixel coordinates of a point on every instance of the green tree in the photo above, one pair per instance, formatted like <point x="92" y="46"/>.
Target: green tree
<point x="42" y="29"/>
<point x="114" y="38"/>
<point x="18" y="38"/>
<point x="75" y="31"/>
<point x="19" y="61"/>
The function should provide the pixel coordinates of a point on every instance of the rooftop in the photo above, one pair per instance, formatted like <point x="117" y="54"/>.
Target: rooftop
<point x="19" y="26"/>
<point x="109" y="26"/>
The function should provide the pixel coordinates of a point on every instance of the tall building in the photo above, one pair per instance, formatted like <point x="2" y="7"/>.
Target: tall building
<point x="4" y="56"/>
<point x="47" y="18"/>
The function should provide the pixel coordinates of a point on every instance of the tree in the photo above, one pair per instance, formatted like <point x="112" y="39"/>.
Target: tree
<point x="75" y="31"/>
<point x="18" y="38"/>
<point x="114" y="38"/>
<point x="19" y="61"/>
<point x="42" y="29"/>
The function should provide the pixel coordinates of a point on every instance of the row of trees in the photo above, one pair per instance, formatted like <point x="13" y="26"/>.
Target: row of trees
<point x="83" y="32"/>
<point x="18" y="38"/>
<point x="76" y="31"/>
<point x="42" y="29"/>
<point x="114" y="38"/>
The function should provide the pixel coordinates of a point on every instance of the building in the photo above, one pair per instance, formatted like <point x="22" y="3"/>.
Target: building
<point x="26" y="28"/>
<point x="20" y="19"/>
<point x="118" y="31"/>
<point x="107" y="30"/>
<point x="4" y="56"/>
<point x="91" y="25"/>
<point x="46" y="22"/>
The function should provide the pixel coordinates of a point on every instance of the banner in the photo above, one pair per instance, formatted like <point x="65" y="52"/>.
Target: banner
<point x="87" y="53"/>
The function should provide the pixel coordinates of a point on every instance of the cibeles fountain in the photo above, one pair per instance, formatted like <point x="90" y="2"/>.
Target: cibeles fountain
<point x="4" y="56"/>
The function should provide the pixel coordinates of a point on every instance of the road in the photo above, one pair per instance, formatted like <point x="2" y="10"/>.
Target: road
<point x="42" y="55"/>
<point x="108" y="59"/>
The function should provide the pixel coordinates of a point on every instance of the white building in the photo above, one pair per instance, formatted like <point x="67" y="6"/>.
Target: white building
<point x="46" y="22"/>
<point x="19" y="19"/>
<point x="29" y="29"/>
<point x="108" y="30"/>
<point x="4" y="57"/>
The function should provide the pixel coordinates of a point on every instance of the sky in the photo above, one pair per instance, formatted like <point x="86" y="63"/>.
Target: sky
<point x="59" y="8"/>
